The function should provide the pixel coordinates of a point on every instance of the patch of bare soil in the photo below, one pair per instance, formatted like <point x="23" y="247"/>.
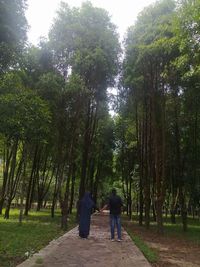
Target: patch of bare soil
<point x="173" y="251"/>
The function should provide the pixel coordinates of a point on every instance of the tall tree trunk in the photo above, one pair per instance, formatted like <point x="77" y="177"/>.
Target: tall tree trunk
<point x="22" y="194"/>
<point x="175" y="196"/>
<point x="72" y="187"/>
<point x="55" y="193"/>
<point x="11" y="180"/>
<point x="91" y="171"/>
<point x="85" y="155"/>
<point x="147" y="172"/>
<point x="65" y="203"/>
<point x="96" y="182"/>
<point x="159" y="171"/>
<point x="30" y="184"/>
<point x="6" y="164"/>
<point x="183" y="209"/>
<point x="130" y="199"/>
<point x="7" y="211"/>
<point x="141" y="197"/>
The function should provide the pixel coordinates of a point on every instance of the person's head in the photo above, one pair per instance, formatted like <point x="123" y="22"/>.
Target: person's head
<point x="114" y="192"/>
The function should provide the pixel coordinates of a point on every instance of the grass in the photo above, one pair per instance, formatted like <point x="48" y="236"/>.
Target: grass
<point x="193" y="233"/>
<point x="17" y="242"/>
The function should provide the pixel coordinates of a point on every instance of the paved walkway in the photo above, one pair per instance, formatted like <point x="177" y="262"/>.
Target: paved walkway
<point x="97" y="251"/>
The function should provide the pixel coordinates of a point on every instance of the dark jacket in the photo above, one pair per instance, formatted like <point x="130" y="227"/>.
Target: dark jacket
<point x="115" y="204"/>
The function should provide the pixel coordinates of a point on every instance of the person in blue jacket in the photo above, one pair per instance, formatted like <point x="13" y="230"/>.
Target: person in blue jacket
<point x="85" y="208"/>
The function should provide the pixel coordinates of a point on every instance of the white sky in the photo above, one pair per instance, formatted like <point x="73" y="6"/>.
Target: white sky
<point x="40" y="14"/>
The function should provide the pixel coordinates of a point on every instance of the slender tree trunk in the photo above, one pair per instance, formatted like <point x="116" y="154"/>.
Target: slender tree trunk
<point x="90" y="182"/>
<point x="173" y="206"/>
<point x="146" y="164"/>
<point x="153" y="190"/>
<point x="130" y="199"/>
<point x="154" y="212"/>
<point x="22" y="195"/>
<point x="30" y="184"/>
<point x="7" y="211"/>
<point x="90" y="128"/>
<point x="141" y="198"/>
<point x="65" y="203"/>
<point x="183" y="209"/>
<point x="85" y="155"/>
<point x="6" y="159"/>
<point x="12" y="179"/>
<point x="141" y="205"/>
<point x="72" y="187"/>
<point x="96" y="182"/>
<point x="55" y="193"/>
<point x="159" y="143"/>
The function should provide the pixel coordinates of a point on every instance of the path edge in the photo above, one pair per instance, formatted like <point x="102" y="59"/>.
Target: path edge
<point x="45" y="251"/>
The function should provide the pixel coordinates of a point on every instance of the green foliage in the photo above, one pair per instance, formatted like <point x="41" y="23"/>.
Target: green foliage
<point x="11" y="82"/>
<point x="35" y="62"/>
<point x="13" y="27"/>
<point x="85" y="39"/>
<point x="24" y="116"/>
<point x="152" y="23"/>
<point x="187" y="32"/>
<point x="50" y="87"/>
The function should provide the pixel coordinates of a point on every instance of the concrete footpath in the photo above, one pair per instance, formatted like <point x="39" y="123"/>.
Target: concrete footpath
<point x="96" y="251"/>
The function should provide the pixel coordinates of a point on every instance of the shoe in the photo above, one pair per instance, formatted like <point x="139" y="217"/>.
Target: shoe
<point x="84" y="238"/>
<point x="112" y="240"/>
<point x="119" y="240"/>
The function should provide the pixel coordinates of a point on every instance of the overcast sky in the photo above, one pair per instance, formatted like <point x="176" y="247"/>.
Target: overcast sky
<point x="40" y="14"/>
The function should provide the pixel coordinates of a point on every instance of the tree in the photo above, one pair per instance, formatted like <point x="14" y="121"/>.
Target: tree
<point x="24" y="117"/>
<point x="85" y="42"/>
<point x="13" y="27"/>
<point x="147" y="56"/>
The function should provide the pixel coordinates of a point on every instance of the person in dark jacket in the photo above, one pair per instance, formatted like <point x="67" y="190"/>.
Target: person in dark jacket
<point x="85" y="210"/>
<point x="115" y="205"/>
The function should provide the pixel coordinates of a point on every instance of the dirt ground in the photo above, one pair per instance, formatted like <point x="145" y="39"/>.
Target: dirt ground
<point x="173" y="251"/>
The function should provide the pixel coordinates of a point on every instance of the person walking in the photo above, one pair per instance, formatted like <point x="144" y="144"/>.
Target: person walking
<point x="85" y="210"/>
<point x="115" y="205"/>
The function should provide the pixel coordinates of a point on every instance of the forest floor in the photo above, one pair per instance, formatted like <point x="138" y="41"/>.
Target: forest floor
<point x="174" y="248"/>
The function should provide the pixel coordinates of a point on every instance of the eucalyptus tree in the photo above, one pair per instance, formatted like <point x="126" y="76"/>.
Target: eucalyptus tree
<point x="126" y="154"/>
<point x="70" y="131"/>
<point x="85" y="42"/>
<point x="148" y="53"/>
<point x="101" y="154"/>
<point x="187" y="67"/>
<point x="182" y="117"/>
